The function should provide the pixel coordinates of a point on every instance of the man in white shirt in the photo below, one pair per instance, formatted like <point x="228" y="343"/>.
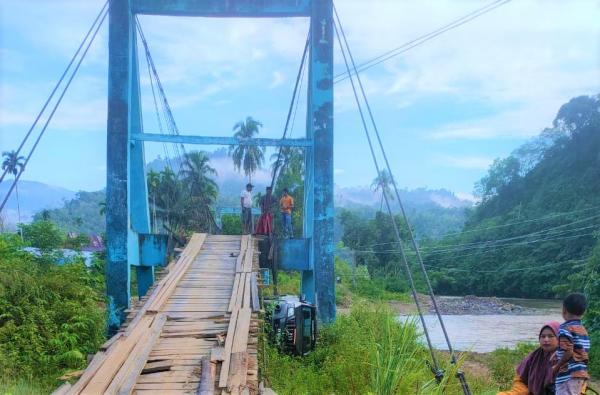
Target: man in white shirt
<point x="246" y="203"/>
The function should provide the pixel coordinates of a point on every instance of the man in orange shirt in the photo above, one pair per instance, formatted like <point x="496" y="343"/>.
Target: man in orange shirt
<point x="286" y="203"/>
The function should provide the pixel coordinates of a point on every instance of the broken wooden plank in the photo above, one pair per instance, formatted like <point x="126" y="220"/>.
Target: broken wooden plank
<point x="207" y="378"/>
<point x="158" y="366"/>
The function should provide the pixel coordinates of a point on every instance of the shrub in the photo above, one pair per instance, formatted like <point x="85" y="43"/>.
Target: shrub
<point x="503" y="362"/>
<point x="51" y="315"/>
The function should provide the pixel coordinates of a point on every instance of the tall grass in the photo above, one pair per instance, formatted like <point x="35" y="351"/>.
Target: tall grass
<point x="367" y="351"/>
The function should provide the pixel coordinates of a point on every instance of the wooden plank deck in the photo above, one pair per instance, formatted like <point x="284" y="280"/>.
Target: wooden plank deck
<point x="192" y="303"/>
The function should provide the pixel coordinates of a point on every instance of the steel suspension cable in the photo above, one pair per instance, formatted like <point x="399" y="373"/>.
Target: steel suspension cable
<point x="68" y="84"/>
<point x="62" y="77"/>
<point x="438" y="371"/>
<point x="157" y="111"/>
<point x="393" y="181"/>
<point x="423" y="39"/>
<point x="453" y="359"/>
<point x="169" y="118"/>
<point x="290" y="110"/>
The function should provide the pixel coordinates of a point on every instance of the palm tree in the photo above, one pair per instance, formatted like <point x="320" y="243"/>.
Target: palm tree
<point x="196" y="172"/>
<point x="248" y="157"/>
<point x="102" y="206"/>
<point x="14" y="164"/>
<point x="290" y="160"/>
<point x="153" y="179"/>
<point x="382" y="183"/>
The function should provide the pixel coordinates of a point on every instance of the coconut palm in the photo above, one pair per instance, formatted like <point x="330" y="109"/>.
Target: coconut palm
<point x="247" y="157"/>
<point x="14" y="164"/>
<point x="291" y="159"/>
<point x="203" y="190"/>
<point x="382" y="183"/>
<point x="102" y="208"/>
<point x="153" y="179"/>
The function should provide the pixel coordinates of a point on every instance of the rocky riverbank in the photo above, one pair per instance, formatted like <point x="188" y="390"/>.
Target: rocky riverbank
<point x="475" y="305"/>
<point x="471" y="305"/>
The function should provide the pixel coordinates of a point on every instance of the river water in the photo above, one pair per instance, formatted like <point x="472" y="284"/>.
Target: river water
<point x="485" y="333"/>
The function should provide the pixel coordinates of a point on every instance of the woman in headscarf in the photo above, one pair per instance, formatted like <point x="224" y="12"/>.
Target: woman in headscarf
<point x="534" y="374"/>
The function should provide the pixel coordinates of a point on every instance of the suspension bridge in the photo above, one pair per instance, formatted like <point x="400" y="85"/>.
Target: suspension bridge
<point x="194" y="328"/>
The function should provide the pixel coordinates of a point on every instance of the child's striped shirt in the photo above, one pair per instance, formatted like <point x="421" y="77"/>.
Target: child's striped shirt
<point x="573" y="336"/>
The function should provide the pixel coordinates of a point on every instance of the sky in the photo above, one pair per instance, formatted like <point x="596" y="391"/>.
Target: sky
<point x="445" y="109"/>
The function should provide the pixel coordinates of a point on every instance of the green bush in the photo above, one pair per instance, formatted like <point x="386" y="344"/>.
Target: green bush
<point x="503" y="362"/>
<point x="595" y="355"/>
<point x="51" y="316"/>
<point x="231" y="224"/>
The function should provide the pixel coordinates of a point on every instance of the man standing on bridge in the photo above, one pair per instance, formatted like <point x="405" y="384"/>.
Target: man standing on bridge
<point x="246" y="203"/>
<point x="286" y="203"/>
<point x="265" y="222"/>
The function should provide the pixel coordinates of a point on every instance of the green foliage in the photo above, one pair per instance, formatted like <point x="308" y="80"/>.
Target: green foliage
<point x="291" y="176"/>
<point x="77" y="242"/>
<point x="366" y="352"/>
<point x="13" y="386"/>
<point x="288" y="283"/>
<point x="534" y="226"/>
<point x="503" y="362"/>
<point x="44" y="235"/>
<point x="247" y="157"/>
<point x="82" y="214"/>
<point x="183" y="201"/>
<point x="594" y="355"/>
<point x="51" y="316"/>
<point x="231" y="224"/>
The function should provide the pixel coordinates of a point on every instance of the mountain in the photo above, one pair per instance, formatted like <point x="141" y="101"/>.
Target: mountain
<point x="33" y="197"/>
<point x="350" y="196"/>
<point x="432" y="213"/>
<point x="537" y="220"/>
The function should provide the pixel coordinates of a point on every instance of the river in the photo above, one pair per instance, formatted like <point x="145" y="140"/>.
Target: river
<point x="487" y="332"/>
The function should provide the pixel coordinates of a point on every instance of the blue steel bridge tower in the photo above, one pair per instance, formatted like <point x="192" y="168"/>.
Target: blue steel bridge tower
<point x="129" y="239"/>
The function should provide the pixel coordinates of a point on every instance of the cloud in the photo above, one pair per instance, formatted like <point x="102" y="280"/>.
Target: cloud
<point x="338" y="171"/>
<point x="467" y="196"/>
<point x="522" y="55"/>
<point x="466" y="162"/>
<point x="278" y="79"/>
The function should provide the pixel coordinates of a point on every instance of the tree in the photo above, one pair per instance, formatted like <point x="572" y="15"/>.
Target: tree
<point x="203" y="190"/>
<point x="382" y="183"/>
<point x="14" y="164"/>
<point x="102" y="206"/>
<point x="247" y="157"/>
<point x="44" y="235"/>
<point x="153" y="179"/>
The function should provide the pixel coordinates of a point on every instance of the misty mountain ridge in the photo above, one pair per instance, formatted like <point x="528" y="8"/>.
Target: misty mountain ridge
<point x="34" y="196"/>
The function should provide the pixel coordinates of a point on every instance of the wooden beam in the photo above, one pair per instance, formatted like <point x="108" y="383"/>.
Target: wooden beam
<point x="125" y="380"/>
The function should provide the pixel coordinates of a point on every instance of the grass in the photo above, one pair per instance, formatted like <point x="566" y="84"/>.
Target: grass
<point x="367" y="351"/>
<point x="9" y="386"/>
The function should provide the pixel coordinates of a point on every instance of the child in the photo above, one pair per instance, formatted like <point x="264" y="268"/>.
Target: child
<point x="573" y="347"/>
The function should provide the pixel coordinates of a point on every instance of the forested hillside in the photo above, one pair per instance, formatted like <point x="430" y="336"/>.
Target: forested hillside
<point x="82" y="214"/>
<point x="538" y="219"/>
